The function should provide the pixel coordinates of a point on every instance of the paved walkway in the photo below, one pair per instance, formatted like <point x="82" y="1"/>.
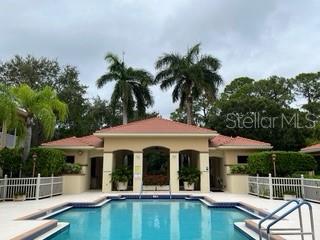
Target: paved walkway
<point x="10" y="211"/>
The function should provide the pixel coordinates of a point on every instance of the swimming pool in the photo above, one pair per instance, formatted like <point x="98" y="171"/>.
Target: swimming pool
<point x="152" y="219"/>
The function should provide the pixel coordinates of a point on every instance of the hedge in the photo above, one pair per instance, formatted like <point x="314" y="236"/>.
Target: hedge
<point x="287" y="163"/>
<point x="10" y="161"/>
<point x="239" y="169"/>
<point x="48" y="161"/>
<point x="72" y="168"/>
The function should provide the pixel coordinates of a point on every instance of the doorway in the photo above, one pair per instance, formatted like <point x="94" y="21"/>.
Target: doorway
<point x="96" y="173"/>
<point x="216" y="177"/>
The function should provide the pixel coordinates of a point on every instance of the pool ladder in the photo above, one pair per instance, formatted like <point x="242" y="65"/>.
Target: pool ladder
<point x="295" y="204"/>
<point x="141" y="190"/>
<point x="154" y="196"/>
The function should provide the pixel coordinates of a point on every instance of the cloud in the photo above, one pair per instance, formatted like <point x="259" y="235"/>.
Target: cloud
<point x="251" y="38"/>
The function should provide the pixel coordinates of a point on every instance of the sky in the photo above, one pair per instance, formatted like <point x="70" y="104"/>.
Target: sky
<point x="251" y="38"/>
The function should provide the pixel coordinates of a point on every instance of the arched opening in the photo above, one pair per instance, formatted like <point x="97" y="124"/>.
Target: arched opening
<point x="156" y="168"/>
<point x="123" y="159"/>
<point x="96" y="173"/>
<point x="189" y="159"/>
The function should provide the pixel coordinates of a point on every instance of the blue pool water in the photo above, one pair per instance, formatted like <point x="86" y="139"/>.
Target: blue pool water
<point x="152" y="219"/>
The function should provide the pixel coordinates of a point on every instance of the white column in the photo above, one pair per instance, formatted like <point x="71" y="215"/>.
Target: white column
<point x="107" y="170"/>
<point x="137" y="171"/>
<point x="204" y="168"/>
<point x="174" y="168"/>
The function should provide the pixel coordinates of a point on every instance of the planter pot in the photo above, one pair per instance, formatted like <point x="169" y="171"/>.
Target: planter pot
<point x="19" y="198"/>
<point x="122" y="186"/>
<point x="188" y="187"/>
<point x="289" y="197"/>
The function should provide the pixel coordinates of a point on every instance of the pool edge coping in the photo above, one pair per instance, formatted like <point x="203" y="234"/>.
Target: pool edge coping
<point x="38" y="231"/>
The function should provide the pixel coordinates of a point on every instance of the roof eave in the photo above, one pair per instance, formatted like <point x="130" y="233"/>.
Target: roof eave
<point x="101" y="134"/>
<point x="242" y="147"/>
<point x="67" y="147"/>
<point x="310" y="150"/>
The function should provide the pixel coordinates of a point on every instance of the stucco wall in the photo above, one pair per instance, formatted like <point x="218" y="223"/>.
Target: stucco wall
<point x="231" y="156"/>
<point x="73" y="184"/>
<point x="237" y="184"/>
<point x="83" y="158"/>
<point x="137" y="144"/>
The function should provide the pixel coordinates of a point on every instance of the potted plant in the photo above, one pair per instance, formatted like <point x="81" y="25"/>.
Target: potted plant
<point x="289" y="195"/>
<point x="20" y="196"/>
<point x="189" y="176"/>
<point x="120" y="177"/>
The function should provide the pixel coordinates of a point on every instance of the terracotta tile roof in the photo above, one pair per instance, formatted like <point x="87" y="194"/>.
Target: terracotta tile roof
<point x="311" y="148"/>
<point x="156" y="125"/>
<point x="89" y="140"/>
<point x="222" y="140"/>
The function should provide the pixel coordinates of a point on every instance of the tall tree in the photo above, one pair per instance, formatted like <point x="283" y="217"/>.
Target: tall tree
<point x="131" y="88"/>
<point x="191" y="75"/>
<point x="202" y="111"/>
<point x="43" y="106"/>
<point x="260" y="110"/>
<point x="41" y="72"/>
<point x="308" y="85"/>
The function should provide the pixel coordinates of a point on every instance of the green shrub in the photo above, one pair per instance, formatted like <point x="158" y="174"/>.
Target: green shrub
<point x="122" y="174"/>
<point x="48" y="161"/>
<point x="287" y="163"/>
<point x="72" y="168"/>
<point x="239" y="169"/>
<point x="10" y="161"/>
<point x="189" y="174"/>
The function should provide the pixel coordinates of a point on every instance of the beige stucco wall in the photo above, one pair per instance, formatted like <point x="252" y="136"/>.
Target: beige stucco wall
<point x="137" y="144"/>
<point x="231" y="156"/>
<point x="174" y="144"/>
<point x="73" y="184"/>
<point x="237" y="184"/>
<point x="83" y="157"/>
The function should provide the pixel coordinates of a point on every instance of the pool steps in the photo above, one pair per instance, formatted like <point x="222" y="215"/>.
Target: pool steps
<point x="52" y="213"/>
<point x="61" y="226"/>
<point x="253" y="226"/>
<point x="241" y="226"/>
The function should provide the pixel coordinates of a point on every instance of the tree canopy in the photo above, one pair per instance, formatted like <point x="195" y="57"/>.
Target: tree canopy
<point x="131" y="87"/>
<point x="191" y="75"/>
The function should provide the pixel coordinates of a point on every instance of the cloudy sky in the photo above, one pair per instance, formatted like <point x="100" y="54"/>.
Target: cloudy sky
<point x="251" y="38"/>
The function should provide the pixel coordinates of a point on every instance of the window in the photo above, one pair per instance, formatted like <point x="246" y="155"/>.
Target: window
<point x="242" y="159"/>
<point x="69" y="159"/>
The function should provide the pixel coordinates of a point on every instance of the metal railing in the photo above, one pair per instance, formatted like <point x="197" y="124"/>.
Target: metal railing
<point x="34" y="188"/>
<point x="276" y="187"/>
<point x="295" y="204"/>
<point x="141" y="190"/>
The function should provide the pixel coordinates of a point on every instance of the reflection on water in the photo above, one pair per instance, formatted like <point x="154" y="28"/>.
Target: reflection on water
<point x="156" y="220"/>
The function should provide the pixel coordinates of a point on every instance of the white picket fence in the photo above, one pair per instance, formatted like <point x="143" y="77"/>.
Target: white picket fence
<point x="35" y="187"/>
<point x="275" y="187"/>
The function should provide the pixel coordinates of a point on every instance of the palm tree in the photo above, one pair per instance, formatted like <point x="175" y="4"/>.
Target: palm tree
<point x="8" y="113"/>
<point x="191" y="75"/>
<point x="131" y="88"/>
<point x="43" y="106"/>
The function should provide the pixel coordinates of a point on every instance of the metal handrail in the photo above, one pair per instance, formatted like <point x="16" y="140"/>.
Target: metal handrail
<point x="170" y="190"/>
<point x="273" y="213"/>
<point x="141" y="189"/>
<point x="299" y="203"/>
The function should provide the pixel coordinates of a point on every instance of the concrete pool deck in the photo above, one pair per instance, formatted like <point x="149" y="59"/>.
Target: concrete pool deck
<point x="12" y="228"/>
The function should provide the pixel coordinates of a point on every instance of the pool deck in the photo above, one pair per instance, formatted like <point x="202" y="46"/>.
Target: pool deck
<point x="11" y="213"/>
